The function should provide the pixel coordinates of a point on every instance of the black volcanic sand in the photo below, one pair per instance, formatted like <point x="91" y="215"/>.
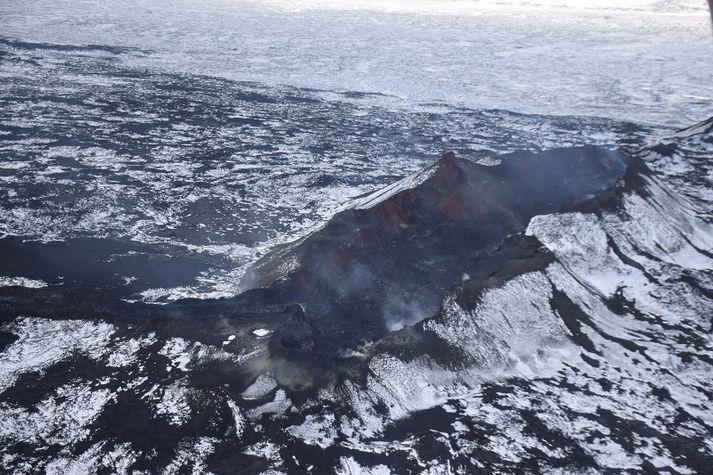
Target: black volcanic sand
<point x="366" y="274"/>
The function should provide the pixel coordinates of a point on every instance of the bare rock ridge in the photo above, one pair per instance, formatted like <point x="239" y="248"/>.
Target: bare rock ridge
<point x="388" y="261"/>
<point x="375" y="269"/>
<point x="528" y="301"/>
<point x="381" y="265"/>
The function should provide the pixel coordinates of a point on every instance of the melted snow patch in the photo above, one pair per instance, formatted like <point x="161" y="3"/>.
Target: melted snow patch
<point x="191" y="456"/>
<point x="166" y="295"/>
<point x="238" y="418"/>
<point x="266" y="450"/>
<point x="43" y="342"/>
<point x="278" y="406"/>
<point x="174" y="404"/>
<point x="319" y="430"/>
<point x="59" y="419"/>
<point x="185" y="355"/>
<point x="489" y="161"/>
<point x="263" y="385"/>
<point x="349" y="466"/>
<point x="179" y="351"/>
<point x="86" y="462"/>
<point x="260" y="332"/>
<point x="124" y="354"/>
<point x="117" y="460"/>
<point x="228" y="340"/>
<point x="22" y="282"/>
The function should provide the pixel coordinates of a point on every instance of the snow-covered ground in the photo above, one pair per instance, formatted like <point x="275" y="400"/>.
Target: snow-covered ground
<point x="146" y="139"/>
<point x="641" y="60"/>
<point x="143" y="115"/>
<point x="598" y="362"/>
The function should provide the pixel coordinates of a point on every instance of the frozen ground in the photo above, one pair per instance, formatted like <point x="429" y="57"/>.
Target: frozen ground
<point x="153" y="150"/>
<point x="647" y="61"/>
<point x="596" y="357"/>
<point x="94" y="145"/>
<point x="226" y="127"/>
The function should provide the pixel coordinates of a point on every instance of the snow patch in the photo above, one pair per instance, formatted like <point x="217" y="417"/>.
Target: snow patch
<point x="42" y="342"/>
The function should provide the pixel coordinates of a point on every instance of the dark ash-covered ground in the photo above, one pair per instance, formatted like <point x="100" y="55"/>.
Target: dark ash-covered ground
<point x="498" y="310"/>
